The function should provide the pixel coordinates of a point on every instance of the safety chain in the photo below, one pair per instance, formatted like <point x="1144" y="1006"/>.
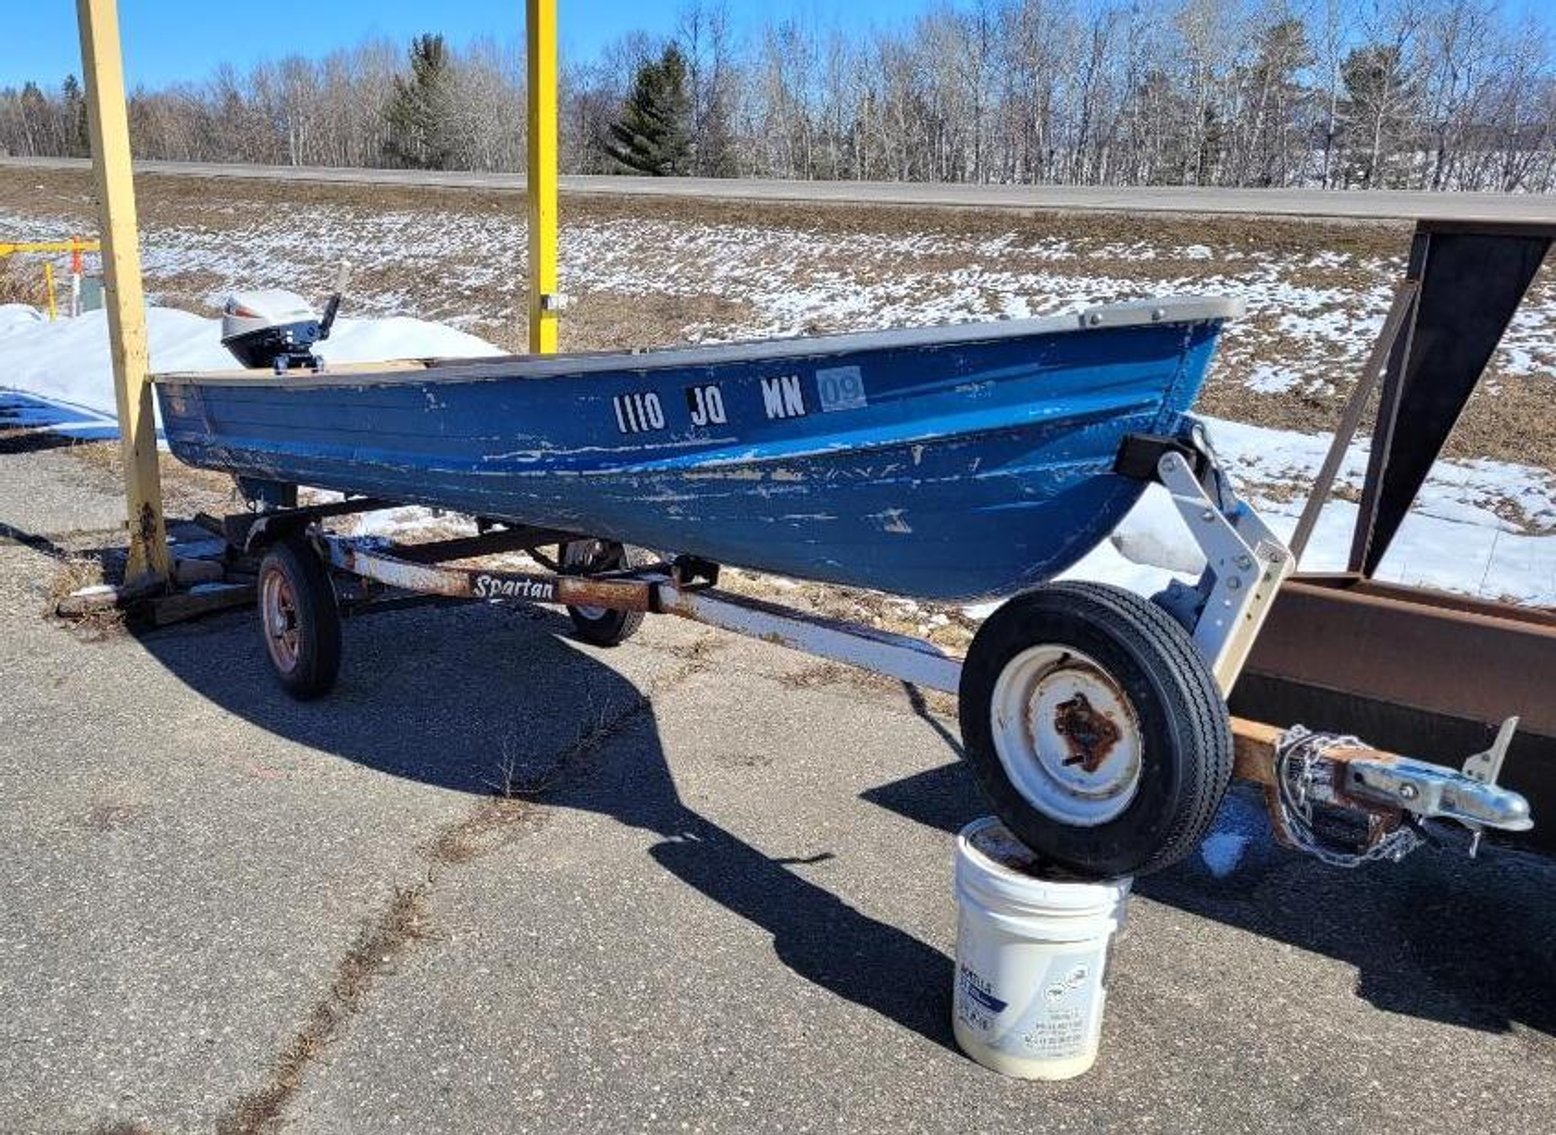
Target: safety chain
<point x="1300" y="769"/>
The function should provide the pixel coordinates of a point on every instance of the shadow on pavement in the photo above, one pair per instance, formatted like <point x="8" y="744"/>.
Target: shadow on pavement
<point x="1437" y="936"/>
<point x="475" y="695"/>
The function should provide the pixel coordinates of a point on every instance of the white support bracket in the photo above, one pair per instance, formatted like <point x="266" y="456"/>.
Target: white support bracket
<point x="897" y="656"/>
<point x="1245" y="566"/>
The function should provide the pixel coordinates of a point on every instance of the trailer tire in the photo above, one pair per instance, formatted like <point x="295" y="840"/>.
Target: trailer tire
<point x="299" y="619"/>
<point x="1096" y="728"/>
<point x="602" y="626"/>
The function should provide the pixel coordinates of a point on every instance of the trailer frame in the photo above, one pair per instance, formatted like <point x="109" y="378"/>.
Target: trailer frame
<point x="1387" y="789"/>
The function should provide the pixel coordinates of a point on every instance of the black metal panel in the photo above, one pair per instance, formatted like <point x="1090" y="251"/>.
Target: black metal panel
<point x="1472" y="277"/>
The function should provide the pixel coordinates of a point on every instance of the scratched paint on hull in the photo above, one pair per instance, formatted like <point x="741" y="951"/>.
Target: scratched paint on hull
<point x="963" y="469"/>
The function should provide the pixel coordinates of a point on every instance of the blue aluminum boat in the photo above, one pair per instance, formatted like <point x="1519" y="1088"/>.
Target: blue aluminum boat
<point x="942" y="462"/>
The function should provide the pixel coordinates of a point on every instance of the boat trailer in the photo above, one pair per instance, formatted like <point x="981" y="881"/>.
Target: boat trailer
<point x="1346" y="649"/>
<point x="1332" y="796"/>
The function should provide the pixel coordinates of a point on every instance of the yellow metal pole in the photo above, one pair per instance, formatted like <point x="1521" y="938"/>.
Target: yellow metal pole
<point x="544" y="302"/>
<point x="48" y="290"/>
<point x="72" y="246"/>
<point x="102" y="60"/>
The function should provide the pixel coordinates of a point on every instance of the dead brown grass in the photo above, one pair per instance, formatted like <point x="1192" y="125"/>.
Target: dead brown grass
<point x="185" y="489"/>
<point x="190" y="291"/>
<point x="615" y="321"/>
<point x="94" y="624"/>
<point x="493" y="823"/>
<point x="700" y="650"/>
<point x="829" y="675"/>
<point x="72" y="574"/>
<point x="21" y="281"/>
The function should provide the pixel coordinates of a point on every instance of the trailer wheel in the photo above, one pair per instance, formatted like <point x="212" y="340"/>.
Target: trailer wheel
<point x="299" y="619"/>
<point x="602" y="626"/>
<point x="1096" y="728"/>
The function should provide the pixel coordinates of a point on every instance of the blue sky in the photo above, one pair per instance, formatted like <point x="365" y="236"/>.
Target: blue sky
<point x="170" y="40"/>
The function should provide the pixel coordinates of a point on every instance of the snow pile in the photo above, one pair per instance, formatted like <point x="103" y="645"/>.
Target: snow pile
<point x="67" y="360"/>
<point x="1451" y="540"/>
<point x="18" y="315"/>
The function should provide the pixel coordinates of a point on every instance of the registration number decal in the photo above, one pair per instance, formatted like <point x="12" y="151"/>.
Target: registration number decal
<point x="705" y="403"/>
<point x="639" y="413"/>
<point x="841" y="388"/>
<point x="783" y="396"/>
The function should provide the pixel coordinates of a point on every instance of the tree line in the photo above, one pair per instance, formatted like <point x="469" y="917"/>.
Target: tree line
<point x="1426" y="94"/>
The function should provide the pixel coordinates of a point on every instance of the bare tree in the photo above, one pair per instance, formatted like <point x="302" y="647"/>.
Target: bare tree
<point x="1435" y="94"/>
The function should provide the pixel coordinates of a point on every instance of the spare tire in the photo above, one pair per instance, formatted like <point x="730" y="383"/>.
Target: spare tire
<point x="1096" y="728"/>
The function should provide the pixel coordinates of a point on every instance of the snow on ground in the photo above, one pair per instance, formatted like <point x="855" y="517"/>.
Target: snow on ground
<point x="1311" y="315"/>
<point x="66" y="361"/>
<point x="1455" y="537"/>
<point x="1457" y="549"/>
<point x="1452" y="539"/>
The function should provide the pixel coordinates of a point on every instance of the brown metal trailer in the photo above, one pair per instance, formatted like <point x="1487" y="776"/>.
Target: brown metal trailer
<point x="1411" y="669"/>
<point x="1414" y="671"/>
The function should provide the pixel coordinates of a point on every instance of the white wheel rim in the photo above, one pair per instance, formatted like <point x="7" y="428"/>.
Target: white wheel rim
<point x="581" y="553"/>
<point x="1066" y="735"/>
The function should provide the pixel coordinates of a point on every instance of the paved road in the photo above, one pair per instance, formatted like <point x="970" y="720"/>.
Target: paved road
<point x="1310" y="203"/>
<point x="728" y="907"/>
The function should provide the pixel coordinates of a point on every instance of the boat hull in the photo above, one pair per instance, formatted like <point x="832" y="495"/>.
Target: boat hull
<point x="950" y="468"/>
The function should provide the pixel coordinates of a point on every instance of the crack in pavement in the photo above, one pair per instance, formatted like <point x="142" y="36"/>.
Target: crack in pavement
<point x="512" y="809"/>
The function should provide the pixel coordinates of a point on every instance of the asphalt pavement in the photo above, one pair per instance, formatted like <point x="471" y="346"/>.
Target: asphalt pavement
<point x="1313" y="204"/>
<point x="503" y="881"/>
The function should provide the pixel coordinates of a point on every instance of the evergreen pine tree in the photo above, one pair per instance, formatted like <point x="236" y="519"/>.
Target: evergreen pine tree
<point x="420" y="112"/>
<point x="1378" y="110"/>
<point x="78" y="141"/>
<point x="652" y="135"/>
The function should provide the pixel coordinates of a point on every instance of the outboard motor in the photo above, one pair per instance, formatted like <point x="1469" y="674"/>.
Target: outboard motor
<point x="274" y="328"/>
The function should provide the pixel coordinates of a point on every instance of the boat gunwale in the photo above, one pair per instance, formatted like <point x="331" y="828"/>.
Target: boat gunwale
<point x="1166" y="311"/>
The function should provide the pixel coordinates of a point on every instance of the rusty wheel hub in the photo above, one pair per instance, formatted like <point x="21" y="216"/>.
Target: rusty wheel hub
<point x="278" y="609"/>
<point x="1067" y="735"/>
<point x="1090" y="735"/>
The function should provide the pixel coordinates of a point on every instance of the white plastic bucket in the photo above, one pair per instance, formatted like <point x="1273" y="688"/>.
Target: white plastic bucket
<point x="1030" y="957"/>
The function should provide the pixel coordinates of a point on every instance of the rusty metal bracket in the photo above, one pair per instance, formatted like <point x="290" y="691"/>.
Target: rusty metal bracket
<point x="249" y="531"/>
